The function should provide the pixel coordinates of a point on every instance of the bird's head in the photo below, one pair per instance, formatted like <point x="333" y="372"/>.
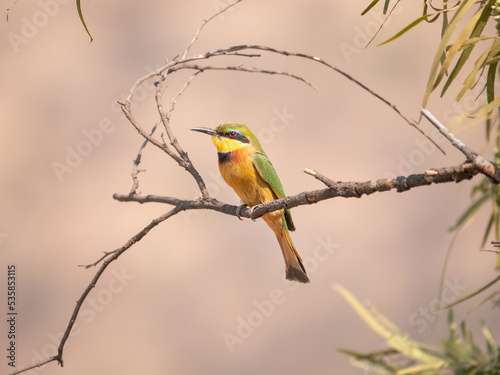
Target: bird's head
<point x="230" y="137"/>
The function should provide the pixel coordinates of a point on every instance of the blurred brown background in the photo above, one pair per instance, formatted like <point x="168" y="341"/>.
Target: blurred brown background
<point x="169" y="303"/>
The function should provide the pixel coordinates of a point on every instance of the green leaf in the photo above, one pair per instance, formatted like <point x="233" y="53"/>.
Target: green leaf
<point x="469" y="44"/>
<point x="457" y="17"/>
<point x="372" y="4"/>
<point x="490" y="93"/>
<point x="471" y="78"/>
<point x="453" y="50"/>
<point x="410" y="26"/>
<point x="386" y="6"/>
<point x="470" y="212"/>
<point x="80" y="14"/>
<point x="483" y="111"/>
<point x="394" y="338"/>
<point x="488" y="108"/>
<point x="480" y="290"/>
<point x="432" y="367"/>
<point x="375" y="358"/>
<point x="495" y="51"/>
<point x="474" y="349"/>
<point x="490" y="341"/>
<point x="488" y="230"/>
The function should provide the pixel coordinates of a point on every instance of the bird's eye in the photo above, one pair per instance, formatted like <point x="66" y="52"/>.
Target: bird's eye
<point x="232" y="134"/>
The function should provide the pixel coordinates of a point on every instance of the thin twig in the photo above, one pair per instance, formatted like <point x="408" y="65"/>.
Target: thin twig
<point x="176" y="98"/>
<point x="106" y="263"/>
<point x="40" y="364"/>
<point x="346" y="75"/>
<point x="241" y="68"/>
<point x="486" y="167"/>
<point x="186" y="162"/>
<point x="204" y="23"/>
<point x="137" y="161"/>
<point x="383" y="23"/>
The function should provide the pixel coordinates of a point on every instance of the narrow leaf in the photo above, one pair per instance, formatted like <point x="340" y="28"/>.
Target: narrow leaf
<point x="490" y="341"/>
<point x="372" y="4"/>
<point x="470" y="212"/>
<point x="475" y="36"/>
<point x="455" y="48"/>
<point x="488" y="230"/>
<point x="467" y="334"/>
<point x="394" y="339"/>
<point x="80" y="14"/>
<point x="410" y="26"/>
<point x="472" y="294"/>
<point x="488" y="108"/>
<point x="471" y="78"/>
<point x="424" y="368"/>
<point x="386" y="6"/>
<point x="459" y="14"/>
<point x="490" y="93"/>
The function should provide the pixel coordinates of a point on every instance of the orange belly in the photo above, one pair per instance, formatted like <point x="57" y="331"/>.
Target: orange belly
<point x="239" y="172"/>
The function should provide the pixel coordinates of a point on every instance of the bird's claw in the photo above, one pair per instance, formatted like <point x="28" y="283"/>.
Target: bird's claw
<point x="251" y="212"/>
<point x="238" y="211"/>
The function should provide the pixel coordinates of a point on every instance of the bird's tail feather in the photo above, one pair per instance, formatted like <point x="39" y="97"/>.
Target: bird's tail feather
<point x="294" y="268"/>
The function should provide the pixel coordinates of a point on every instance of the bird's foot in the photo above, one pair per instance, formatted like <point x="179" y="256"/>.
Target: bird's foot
<point x="238" y="210"/>
<point x="251" y="212"/>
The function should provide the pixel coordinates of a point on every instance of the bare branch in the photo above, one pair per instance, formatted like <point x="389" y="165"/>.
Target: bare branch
<point x="184" y="160"/>
<point x="204" y="23"/>
<point x="486" y="167"/>
<point x="40" y="364"/>
<point x="98" y="274"/>
<point x="137" y="161"/>
<point x="241" y="68"/>
<point x="346" y="75"/>
<point x="335" y="189"/>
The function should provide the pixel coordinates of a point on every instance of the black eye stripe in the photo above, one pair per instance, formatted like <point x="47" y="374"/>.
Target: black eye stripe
<point x="239" y="137"/>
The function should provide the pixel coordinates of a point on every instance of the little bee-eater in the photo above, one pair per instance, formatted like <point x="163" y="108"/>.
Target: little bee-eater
<point x="245" y="167"/>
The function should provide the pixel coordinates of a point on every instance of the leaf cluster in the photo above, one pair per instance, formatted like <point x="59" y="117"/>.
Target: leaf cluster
<point x="455" y="50"/>
<point x="458" y="353"/>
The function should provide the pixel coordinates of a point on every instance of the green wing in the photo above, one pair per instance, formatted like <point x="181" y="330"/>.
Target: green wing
<point x="268" y="174"/>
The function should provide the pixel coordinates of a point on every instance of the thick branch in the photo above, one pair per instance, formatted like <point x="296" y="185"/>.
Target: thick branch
<point x="335" y="189"/>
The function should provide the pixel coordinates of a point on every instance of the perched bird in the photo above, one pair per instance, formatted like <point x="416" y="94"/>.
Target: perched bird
<point x="245" y="167"/>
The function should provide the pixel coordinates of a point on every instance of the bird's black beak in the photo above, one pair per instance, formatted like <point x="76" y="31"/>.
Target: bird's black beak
<point x="208" y="131"/>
